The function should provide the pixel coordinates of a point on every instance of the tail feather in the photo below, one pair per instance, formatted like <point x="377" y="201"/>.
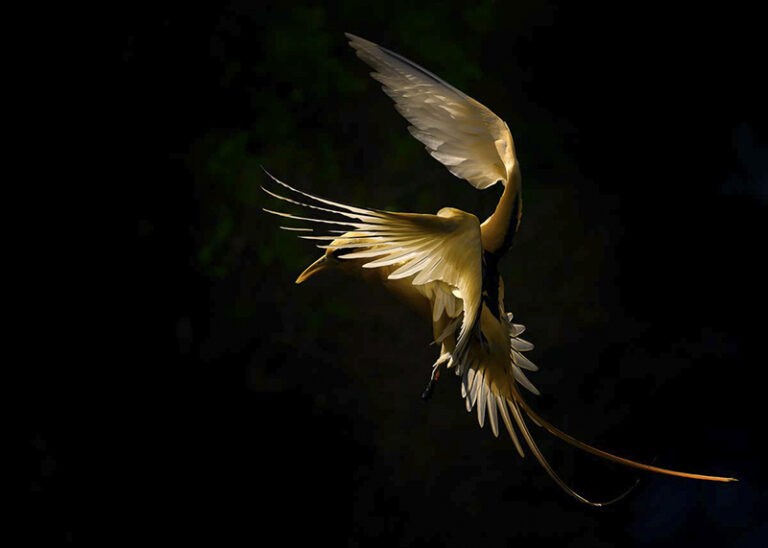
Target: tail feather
<point x="502" y="405"/>
<point x="519" y="419"/>
<point x="604" y="454"/>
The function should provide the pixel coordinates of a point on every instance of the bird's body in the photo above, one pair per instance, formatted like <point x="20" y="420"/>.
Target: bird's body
<point x="446" y="266"/>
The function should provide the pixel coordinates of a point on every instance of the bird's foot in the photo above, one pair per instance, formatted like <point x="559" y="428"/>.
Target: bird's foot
<point x="429" y="389"/>
<point x="431" y="384"/>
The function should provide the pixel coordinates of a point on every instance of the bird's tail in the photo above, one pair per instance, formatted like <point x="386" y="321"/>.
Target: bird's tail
<point x="598" y="452"/>
<point x="518" y="405"/>
<point x="514" y="406"/>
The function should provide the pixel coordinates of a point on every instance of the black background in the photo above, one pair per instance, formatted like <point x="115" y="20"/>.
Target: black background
<point x="237" y="406"/>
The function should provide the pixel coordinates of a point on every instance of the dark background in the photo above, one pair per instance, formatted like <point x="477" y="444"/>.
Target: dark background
<point x="238" y="406"/>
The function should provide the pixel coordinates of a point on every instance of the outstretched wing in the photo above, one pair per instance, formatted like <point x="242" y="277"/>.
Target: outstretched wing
<point x="444" y="247"/>
<point x="470" y="140"/>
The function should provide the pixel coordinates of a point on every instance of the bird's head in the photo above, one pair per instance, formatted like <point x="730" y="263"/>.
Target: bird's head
<point x="331" y="261"/>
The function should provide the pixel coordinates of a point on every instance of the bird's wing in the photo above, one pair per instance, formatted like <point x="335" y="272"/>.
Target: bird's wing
<point x="470" y="140"/>
<point x="443" y="300"/>
<point x="445" y="247"/>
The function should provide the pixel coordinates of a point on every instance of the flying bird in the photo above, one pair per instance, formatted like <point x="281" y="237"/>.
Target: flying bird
<point x="446" y="266"/>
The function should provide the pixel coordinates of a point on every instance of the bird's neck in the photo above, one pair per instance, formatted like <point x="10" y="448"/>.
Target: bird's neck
<point x="498" y="229"/>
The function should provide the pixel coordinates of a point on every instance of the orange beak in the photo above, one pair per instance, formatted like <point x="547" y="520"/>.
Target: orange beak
<point x="312" y="269"/>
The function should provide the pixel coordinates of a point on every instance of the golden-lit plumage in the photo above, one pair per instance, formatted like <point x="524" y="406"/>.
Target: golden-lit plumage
<point x="445" y="266"/>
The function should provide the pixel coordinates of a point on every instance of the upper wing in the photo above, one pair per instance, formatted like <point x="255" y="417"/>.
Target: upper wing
<point x="444" y="247"/>
<point x="470" y="140"/>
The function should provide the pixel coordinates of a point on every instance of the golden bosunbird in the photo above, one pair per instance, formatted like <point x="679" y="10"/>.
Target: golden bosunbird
<point x="446" y="266"/>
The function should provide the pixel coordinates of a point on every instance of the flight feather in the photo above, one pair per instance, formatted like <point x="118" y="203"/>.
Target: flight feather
<point x="464" y="135"/>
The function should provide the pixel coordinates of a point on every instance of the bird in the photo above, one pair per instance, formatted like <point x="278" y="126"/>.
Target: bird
<point x="445" y="266"/>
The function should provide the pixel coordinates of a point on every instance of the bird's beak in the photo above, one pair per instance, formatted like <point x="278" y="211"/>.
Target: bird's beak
<point x="314" y="268"/>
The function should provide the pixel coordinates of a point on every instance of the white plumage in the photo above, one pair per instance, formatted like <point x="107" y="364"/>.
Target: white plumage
<point x="445" y="265"/>
<point x="465" y="136"/>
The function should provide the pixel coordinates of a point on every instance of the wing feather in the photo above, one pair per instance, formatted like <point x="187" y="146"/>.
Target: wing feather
<point x="493" y="418"/>
<point x="482" y="392"/>
<point x="445" y="247"/>
<point x="465" y="136"/>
